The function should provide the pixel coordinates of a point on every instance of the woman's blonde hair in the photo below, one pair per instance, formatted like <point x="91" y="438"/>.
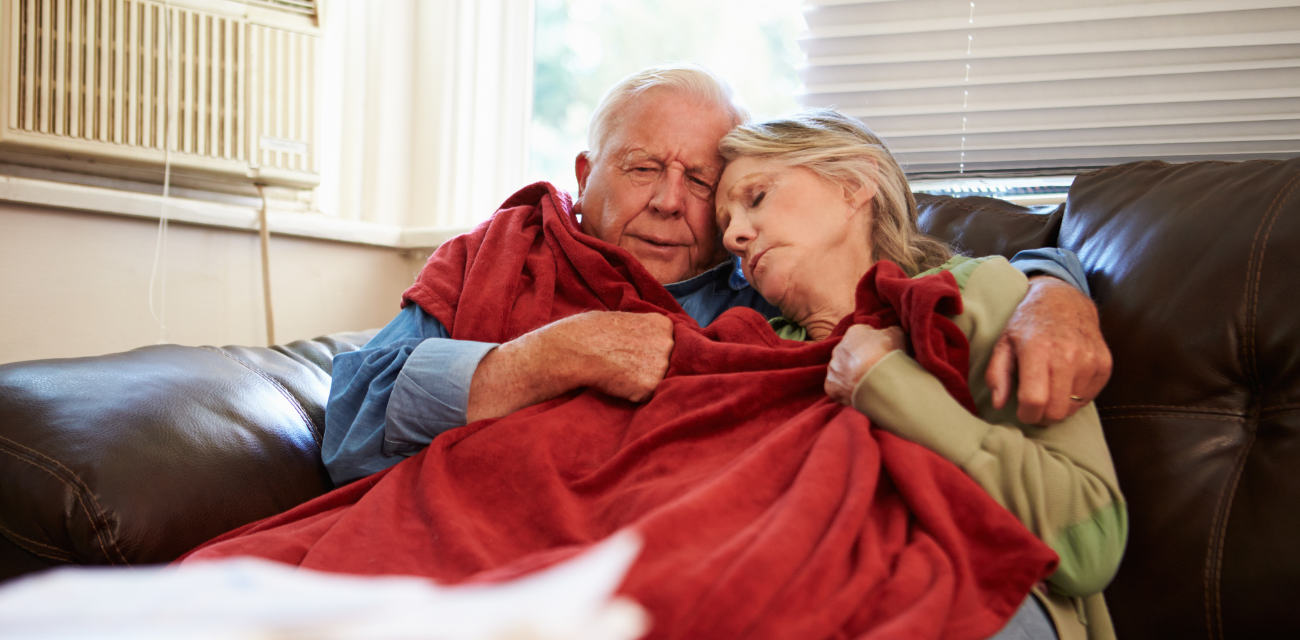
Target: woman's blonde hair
<point x="843" y="151"/>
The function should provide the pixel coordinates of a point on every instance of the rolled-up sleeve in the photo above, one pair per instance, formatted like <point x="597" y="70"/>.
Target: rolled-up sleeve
<point x="431" y="393"/>
<point x="399" y="363"/>
<point x="1061" y="264"/>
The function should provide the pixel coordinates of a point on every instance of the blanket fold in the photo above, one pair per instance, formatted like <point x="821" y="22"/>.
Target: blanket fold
<point x="766" y="509"/>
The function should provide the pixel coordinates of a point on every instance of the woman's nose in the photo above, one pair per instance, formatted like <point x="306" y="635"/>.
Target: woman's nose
<point x="737" y="235"/>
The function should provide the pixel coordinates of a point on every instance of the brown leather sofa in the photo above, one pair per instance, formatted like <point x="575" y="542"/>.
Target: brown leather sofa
<point x="136" y="457"/>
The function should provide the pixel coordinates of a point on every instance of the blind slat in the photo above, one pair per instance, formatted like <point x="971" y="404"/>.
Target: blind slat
<point x="1022" y="51"/>
<point x="1029" y="98"/>
<point x="1142" y="136"/>
<point x="1097" y="119"/>
<point x="870" y="23"/>
<point x="1020" y="66"/>
<point x="958" y="81"/>
<point x="1088" y="155"/>
<point x="956" y="42"/>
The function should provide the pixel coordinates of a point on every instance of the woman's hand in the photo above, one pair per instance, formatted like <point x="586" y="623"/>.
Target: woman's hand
<point x="860" y="349"/>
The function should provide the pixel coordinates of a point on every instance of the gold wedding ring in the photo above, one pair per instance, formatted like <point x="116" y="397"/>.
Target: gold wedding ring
<point x="1077" y="399"/>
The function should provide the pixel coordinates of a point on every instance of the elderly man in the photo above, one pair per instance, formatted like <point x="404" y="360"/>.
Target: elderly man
<point x="646" y="185"/>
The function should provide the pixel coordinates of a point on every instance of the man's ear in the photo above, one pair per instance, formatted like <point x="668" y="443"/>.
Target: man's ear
<point x="582" y="168"/>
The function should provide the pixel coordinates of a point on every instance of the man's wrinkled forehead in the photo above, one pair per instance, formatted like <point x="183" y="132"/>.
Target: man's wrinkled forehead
<point x="630" y="155"/>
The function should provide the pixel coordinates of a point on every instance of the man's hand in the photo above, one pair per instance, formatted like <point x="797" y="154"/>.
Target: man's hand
<point x="858" y="351"/>
<point x="622" y="354"/>
<point x="1054" y="341"/>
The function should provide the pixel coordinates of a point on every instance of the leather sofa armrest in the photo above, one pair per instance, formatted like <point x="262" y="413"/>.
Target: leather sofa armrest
<point x="137" y="457"/>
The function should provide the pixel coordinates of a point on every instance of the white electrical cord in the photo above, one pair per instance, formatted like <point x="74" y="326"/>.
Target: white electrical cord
<point x="160" y="244"/>
<point x="264" y="232"/>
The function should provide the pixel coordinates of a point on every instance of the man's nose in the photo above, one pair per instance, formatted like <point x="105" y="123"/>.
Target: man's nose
<point x="670" y="193"/>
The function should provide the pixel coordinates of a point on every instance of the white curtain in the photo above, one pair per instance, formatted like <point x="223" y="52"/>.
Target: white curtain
<point x="425" y="110"/>
<point x="1034" y="87"/>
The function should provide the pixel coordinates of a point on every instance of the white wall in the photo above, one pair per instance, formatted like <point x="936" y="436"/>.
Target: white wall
<point x="77" y="284"/>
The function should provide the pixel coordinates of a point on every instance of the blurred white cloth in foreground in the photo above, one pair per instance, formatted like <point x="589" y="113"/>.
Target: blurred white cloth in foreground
<point x="250" y="598"/>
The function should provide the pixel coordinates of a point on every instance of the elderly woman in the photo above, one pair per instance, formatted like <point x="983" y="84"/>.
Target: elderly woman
<point x="808" y="204"/>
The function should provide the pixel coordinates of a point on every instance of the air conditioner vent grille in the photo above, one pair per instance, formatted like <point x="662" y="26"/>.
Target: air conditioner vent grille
<point x="92" y="78"/>
<point x="93" y="70"/>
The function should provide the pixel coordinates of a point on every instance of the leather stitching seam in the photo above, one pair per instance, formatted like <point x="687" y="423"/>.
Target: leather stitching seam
<point x="54" y="553"/>
<point x="1254" y="275"/>
<point x="1189" y="415"/>
<point x="1227" y="412"/>
<point x="19" y="538"/>
<point x="1280" y="407"/>
<point x="302" y="413"/>
<point x="1209" y="562"/>
<point x="98" y="521"/>
<point x="47" y="557"/>
<point x="1219" y="534"/>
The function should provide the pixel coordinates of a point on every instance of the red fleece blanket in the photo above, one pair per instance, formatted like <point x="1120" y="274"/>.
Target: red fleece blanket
<point x="766" y="509"/>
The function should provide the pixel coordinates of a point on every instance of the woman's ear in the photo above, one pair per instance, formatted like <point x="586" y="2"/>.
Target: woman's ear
<point x="864" y="195"/>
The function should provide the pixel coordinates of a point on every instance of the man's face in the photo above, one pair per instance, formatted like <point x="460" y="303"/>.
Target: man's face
<point x="650" y="191"/>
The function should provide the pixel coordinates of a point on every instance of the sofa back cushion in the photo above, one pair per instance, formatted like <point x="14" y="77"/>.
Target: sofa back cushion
<point x="981" y="226"/>
<point x="1194" y="269"/>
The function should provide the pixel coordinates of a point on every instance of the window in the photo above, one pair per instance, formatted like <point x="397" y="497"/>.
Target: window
<point x="582" y="47"/>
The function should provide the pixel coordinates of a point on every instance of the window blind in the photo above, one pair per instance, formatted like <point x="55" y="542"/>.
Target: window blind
<point x="1037" y="87"/>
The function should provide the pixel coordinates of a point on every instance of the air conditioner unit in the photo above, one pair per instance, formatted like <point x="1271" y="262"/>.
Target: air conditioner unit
<point x="93" y="86"/>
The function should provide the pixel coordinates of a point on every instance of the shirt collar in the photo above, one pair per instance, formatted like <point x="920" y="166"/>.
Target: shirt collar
<point x="737" y="279"/>
<point x="691" y="285"/>
<point x="729" y="272"/>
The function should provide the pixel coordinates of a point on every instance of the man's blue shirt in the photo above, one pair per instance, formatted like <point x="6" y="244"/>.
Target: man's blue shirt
<point x="411" y="382"/>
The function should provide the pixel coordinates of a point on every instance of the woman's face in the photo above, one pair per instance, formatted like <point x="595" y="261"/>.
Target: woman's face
<point x="801" y="239"/>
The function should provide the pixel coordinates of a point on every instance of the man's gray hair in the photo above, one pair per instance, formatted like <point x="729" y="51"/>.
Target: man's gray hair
<point x="686" y="78"/>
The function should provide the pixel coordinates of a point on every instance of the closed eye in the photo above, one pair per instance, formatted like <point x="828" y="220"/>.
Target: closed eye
<point x="758" y="199"/>
<point x="700" y="188"/>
